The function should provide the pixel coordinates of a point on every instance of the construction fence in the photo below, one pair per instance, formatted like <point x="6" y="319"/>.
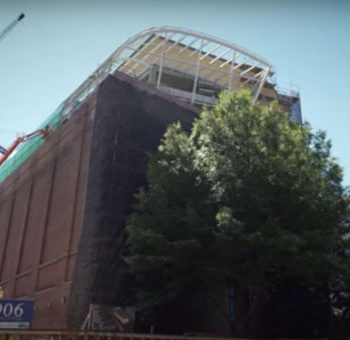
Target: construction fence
<point x="66" y="335"/>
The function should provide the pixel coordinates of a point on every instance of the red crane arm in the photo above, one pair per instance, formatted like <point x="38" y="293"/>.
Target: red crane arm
<point x="42" y="132"/>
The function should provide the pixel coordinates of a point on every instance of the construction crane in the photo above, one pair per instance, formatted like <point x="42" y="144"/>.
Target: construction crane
<point x="10" y="27"/>
<point x="7" y="152"/>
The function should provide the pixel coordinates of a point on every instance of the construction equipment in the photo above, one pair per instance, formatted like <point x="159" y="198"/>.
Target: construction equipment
<point x="42" y="132"/>
<point x="9" y="28"/>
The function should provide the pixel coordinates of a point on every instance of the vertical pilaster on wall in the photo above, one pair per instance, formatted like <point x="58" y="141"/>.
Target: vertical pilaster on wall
<point x="19" y="249"/>
<point x="76" y="191"/>
<point x="4" y="245"/>
<point x="42" y="233"/>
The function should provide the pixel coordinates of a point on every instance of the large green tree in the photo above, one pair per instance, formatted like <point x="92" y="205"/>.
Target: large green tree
<point x="247" y="198"/>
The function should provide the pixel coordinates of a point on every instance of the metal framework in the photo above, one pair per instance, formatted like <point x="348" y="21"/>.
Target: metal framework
<point x="209" y="64"/>
<point x="189" y="65"/>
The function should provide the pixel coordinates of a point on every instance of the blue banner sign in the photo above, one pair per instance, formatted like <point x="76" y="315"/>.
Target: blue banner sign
<point x="16" y="314"/>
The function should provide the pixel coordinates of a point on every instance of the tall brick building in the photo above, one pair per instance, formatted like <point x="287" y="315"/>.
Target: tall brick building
<point x="64" y="201"/>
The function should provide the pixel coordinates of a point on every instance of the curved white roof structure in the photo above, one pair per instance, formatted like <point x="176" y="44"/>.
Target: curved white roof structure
<point x="187" y="64"/>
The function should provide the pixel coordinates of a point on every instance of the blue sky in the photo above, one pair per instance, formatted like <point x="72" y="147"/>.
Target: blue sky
<point x="60" y="43"/>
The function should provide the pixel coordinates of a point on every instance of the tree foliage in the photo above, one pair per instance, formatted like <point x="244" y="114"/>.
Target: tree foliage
<point x="247" y="196"/>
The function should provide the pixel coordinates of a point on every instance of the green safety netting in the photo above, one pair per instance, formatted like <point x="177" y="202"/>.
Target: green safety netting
<point x="26" y="149"/>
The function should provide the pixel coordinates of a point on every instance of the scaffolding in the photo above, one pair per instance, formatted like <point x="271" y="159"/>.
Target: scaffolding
<point x="150" y="54"/>
<point x="187" y="64"/>
<point x="25" y="150"/>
